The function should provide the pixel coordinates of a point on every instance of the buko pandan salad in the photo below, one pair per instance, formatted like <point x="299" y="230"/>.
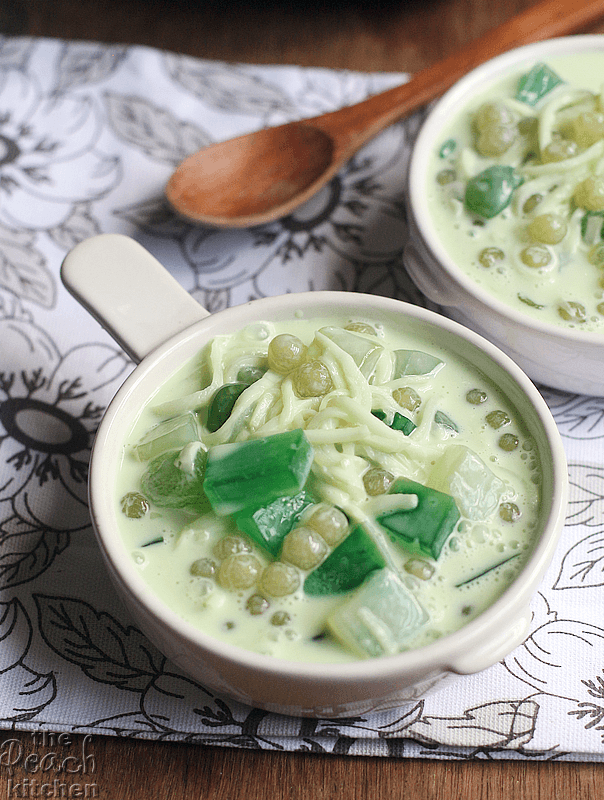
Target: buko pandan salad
<point x="328" y="493"/>
<point x="517" y="190"/>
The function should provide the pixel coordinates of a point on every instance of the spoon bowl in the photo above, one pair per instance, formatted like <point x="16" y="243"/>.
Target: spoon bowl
<point x="237" y="187"/>
<point x="262" y="176"/>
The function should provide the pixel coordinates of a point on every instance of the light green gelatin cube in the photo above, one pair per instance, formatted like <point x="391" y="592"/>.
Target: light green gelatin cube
<point x="425" y="527"/>
<point x="462" y="474"/>
<point x="247" y="474"/>
<point x="379" y="618"/>
<point x="414" y="362"/>
<point x="364" y="352"/>
<point x="536" y="84"/>
<point x="171" y="434"/>
<point x="175" y="479"/>
<point x="269" y="525"/>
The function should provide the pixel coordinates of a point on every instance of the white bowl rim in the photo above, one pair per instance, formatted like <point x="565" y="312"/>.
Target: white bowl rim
<point x="456" y="96"/>
<point x="438" y="654"/>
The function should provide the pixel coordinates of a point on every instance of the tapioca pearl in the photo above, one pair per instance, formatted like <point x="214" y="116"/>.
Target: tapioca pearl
<point x="239" y="571"/>
<point x="230" y="545"/>
<point x="377" y="481"/>
<point x="256" y="604"/>
<point x="328" y="521"/>
<point x="508" y="442"/>
<point x="280" y="618"/>
<point x="548" y="228"/>
<point x="571" y="311"/>
<point x="285" y="353"/>
<point x="203" y="568"/>
<point x="476" y="397"/>
<point x="509" y="512"/>
<point x="407" y="397"/>
<point x="498" y="419"/>
<point x="134" y="505"/>
<point x="279" y="579"/>
<point x="304" y="548"/>
<point x="420" y="568"/>
<point x="312" y="379"/>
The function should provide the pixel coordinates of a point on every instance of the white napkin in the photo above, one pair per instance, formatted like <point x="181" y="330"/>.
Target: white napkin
<point x="88" y="137"/>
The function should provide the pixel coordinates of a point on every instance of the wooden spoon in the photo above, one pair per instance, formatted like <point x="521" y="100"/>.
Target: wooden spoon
<point x="265" y="175"/>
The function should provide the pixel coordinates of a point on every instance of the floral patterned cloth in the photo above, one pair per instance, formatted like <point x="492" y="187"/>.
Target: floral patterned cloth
<point x="88" y="136"/>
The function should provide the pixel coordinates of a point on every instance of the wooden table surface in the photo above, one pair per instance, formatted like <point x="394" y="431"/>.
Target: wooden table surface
<point x="387" y="35"/>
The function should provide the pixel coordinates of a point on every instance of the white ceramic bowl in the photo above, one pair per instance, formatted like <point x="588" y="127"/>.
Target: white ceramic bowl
<point x="565" y="359"/>
<point x="156" y="318"/>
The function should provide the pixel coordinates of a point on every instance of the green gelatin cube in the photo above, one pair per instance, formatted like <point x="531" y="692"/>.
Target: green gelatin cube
<point x="398" y="422"/>
<point x="364" y="351"/>
<point x="379" y="618"/>
<point x="269" y="525"/>
<point x="427" y="526"/>
<point x="221" y="404"/>
<point x="347" y="566"/>
<point x="247" y="474"/>
<point x="171" y="434"/>
<point x="465" y="476"/>
<point x="489" y="192"/>
<point x="175" y="479"/>
<point x="414" y="362"/>
<point x="536" y="84"/>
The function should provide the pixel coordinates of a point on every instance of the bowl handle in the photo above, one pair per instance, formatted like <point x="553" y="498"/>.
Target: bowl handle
<point x="129" y="292"/>
<point x="494" y="650"/>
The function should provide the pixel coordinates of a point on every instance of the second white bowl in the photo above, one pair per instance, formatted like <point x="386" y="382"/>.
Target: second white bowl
<point x="562" y="358"/>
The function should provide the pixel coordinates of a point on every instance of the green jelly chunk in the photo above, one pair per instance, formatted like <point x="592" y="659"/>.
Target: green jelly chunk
<point x="536" y="84"/>
<point x="364" y="352"/>
<point x="428" y="525"/>
<point x="398" y="422"/>
<point x="171" y="434"/>
<point x="489" y="192"/>
<point x="347" y="566"/>
<point x="465" y="476"/>
<point x="221" y="404"/>
<point x="255" y="472"/>
<point x="269" y="525"/>
<point x="414" y="362"/>
<point x="445" y="421"/>
<point x="175" y="480"/>
<point x="379" y="618"/>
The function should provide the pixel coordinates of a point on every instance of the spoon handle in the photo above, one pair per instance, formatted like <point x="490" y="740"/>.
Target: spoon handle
<point x="354" y="125"/>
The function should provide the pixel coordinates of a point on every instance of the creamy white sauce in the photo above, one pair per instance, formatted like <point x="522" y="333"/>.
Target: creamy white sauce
<point x="452" y="595"/>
